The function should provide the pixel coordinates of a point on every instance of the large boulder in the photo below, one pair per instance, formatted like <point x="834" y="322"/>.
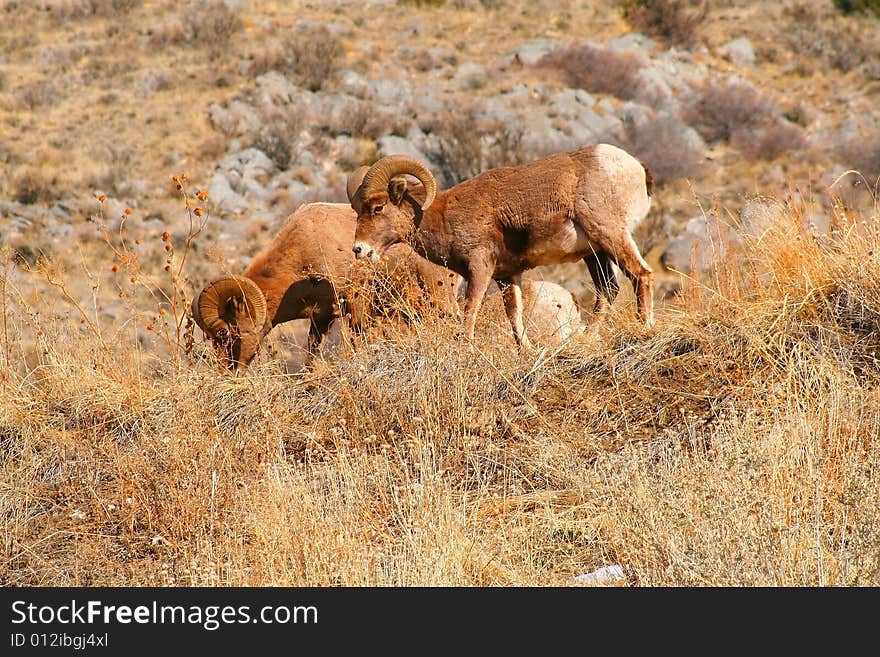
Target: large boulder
<point x="739" y="51"/>
<point x="550" y="312"/>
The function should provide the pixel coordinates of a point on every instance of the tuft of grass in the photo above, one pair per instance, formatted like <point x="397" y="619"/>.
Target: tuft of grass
<point x="676" y="21"/>
<point x="32" y="185"/>
<point x="313" y="56"/>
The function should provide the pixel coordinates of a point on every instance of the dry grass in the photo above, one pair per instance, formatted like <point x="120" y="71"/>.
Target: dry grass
<point x="736" y="444"/>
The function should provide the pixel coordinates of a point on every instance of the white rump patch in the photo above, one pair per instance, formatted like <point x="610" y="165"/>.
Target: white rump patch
<point x="622" y="168"/>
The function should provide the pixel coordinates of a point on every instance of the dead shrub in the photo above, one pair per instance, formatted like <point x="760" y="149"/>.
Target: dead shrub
<point x="33" y="186"/>
<point x="664" y="144"/>
<point x="768" y="142"/>
<point x="596" y="70"/>
<point x="312" y="56"/>
<point x="278" y="136"/>
<point x="863" y="154"/>
<point x="75" y="9"/>
<point x="37" y="94"/>
<point x="457" y="149"/>
<point x="838" y="44"/>
<point x="463" y="146"/>
<point x="362" y="119"/>
<point x="214" y="27"/>
<point x="675" y="21"/>
<point x="718" y="109"/>
<point x="211" y="27"/>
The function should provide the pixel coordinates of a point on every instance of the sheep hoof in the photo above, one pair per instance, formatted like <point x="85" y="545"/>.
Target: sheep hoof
<point x="526" y="347"/>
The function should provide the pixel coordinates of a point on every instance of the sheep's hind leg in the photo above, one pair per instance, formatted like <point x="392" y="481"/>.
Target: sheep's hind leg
<point x="628" y="258"/>
<point x="511" y="293"/>
<point x="607" y="287"/>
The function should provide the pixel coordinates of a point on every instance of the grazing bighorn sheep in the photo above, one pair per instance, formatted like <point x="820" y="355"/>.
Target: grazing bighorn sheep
<point x="583" y="204"/>
<point x="298" y="276"/>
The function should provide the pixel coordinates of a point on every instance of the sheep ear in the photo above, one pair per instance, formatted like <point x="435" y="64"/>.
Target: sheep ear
<point x="396" y="190"/>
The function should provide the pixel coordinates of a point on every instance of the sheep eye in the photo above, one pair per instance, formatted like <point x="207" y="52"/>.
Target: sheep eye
<point x="378" y="209"/>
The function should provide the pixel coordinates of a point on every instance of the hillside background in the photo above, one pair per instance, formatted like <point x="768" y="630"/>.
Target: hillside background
<point x="737" y="444"/>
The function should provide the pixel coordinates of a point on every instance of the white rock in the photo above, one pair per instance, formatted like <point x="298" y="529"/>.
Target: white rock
<point x="739" y="52"/>
<point x="604" y="576"/>
<point x="223" y="197"/>
<point x="529" y="53"/>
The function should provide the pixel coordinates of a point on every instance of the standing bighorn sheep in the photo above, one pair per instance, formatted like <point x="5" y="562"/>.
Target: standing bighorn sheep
<point x="303" y="274"/>
<point x="583" y="204"/>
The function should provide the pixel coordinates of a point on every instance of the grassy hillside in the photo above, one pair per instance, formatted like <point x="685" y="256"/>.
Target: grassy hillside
<point x="736" y="443"/>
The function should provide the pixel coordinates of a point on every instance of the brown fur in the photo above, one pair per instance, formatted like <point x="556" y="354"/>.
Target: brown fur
<point x="566" y="207"/>
<point x="306" y="272"/>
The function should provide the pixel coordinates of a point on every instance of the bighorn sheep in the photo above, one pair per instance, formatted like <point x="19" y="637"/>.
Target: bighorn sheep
<point x="583" y="204"/>
<point x="298" y="276"/>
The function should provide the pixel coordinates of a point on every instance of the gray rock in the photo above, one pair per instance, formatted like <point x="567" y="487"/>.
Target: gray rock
<point x="223" y="197"/>
<point x="21" y="223"/>
<point x="386" y="91"/>
<point x="394" y="145"/>
<point x="471" y="76"/>
<point x="354" y="84"/>
<point x="633" y="43"/>
<point x="59" y="231"/>
<point x="574" y="115"/>
<point x="275" y="89"/>
<point x="61" y="213"/>
<point x="236" y="119"/>
<point x="701" y="243"/>
<point x="529" y="53"/>
<point x="739" y="52"/>
<point x="249" y="163"/>
<point x="640" y="116"/>
<point x="311" y="104"/>
<point x="665" y="80"/>
<point x="427" y="106"/>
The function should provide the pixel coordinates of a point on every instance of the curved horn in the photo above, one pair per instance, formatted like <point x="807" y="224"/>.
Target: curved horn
<point x="355" y="178"/>
<point x="217" y="293"/>
<point x="381" y="173"/>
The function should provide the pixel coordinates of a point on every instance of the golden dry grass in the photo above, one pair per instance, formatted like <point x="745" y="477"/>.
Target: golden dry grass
<point x="736" y="444"/>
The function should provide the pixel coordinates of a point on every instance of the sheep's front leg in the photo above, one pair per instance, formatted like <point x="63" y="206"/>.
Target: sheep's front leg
<point x="479" y="276"/>
<point x="511" y="293"/>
